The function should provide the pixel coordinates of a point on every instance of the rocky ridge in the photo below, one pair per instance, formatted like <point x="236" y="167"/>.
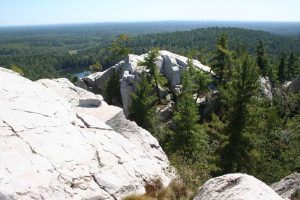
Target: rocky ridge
<point x="169" y="64"/>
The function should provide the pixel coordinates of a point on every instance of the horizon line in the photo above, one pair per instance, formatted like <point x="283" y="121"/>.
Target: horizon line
<point x="136" y="22"/>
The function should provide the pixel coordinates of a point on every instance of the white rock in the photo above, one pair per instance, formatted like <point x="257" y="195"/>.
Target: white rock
<point x="236" y="187"/>
<point x="50" y="148"/>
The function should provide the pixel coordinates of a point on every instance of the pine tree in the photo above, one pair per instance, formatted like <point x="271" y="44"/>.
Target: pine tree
<point x="281" y="70"/>
<point x="200" y="79"/>
<point x="97" y="67"/>
<point x="112" y="93"/>
<point x="261" y="58"/>
<point x="237" y="96"/>
<point x="158" y="79"/>
<point x="142" y="109"/>
<point x="188" y="136"/>
<point x="291" y="67"/>
<point x="119" y="49"/>
<point x="222" y="61"/>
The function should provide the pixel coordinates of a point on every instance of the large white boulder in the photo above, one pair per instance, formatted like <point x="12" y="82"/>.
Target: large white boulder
<point x="52" y="148"/>
<point x="288" y="187"/>
<point x="169" y="64"/>
<point x="236" y="187"/>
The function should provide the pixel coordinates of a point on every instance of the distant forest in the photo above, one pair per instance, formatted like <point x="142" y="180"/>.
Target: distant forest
<point x="47" y="52"/>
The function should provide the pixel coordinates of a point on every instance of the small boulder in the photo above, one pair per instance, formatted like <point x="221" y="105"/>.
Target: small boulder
<point x="236" y="187"/>
<point x="289" y="187"/>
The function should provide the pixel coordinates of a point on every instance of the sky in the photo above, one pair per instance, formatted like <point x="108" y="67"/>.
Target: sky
<point x="38" y="12"/>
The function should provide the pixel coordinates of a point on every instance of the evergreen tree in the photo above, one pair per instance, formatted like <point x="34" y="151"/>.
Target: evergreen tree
<point x="119" y="49"/>
<point x="281" y="70"/>
<point x="261" y="58"/>
<point x="158" y="79"/>
<point x="237" y="96"/>
<point x="200" y="79"/>
<point x="142" y="109"/>
<point x="291" y="67"/>
<point x="188" y="135"/>
<point x="221" y="62"/>
<point x="97" y="67"/>
<point x="112" y="93"/>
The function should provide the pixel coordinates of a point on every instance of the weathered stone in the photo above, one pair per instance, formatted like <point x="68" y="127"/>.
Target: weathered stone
<point x="50" y="148"/>
<point x="288" y="187"/>
<point x="236" y="187"/>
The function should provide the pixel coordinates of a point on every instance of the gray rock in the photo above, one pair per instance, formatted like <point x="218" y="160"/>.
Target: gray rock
<point x="3" y="197"/>
<point x="53" y="149"/>
<point x="166" y="112"/>
<point x="294" y="87"/>
<point x="80" y="83"/>
<point x="89" y="102"/>
<point x="288" y="187"/>
<point x="236" y="187"/>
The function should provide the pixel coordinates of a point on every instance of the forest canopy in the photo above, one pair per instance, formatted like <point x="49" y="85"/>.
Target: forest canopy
<point x="49" y="52"/>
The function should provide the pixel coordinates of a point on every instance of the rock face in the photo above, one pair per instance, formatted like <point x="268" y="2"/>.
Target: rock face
<point x="289" y="187"/>
<point x="52" y="147"/>
<point x="236" y="187"/>
<point x="169" y="64"/>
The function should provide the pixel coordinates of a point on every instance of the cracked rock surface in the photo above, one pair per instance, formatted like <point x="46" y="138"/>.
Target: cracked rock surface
<point x="236" y="187"/>
<point x="51" y="148"/>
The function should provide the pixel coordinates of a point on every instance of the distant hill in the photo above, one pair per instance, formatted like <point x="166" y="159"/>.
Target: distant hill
<point x="205" y="38"/>
<point x="283" y="28"/>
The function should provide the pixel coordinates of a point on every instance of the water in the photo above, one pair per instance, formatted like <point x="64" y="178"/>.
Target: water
<point x="82" y="74"/>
